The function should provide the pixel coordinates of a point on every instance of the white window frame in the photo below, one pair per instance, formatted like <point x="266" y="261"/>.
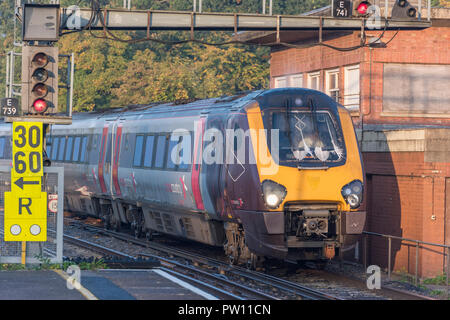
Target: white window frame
<point x="351" y="100"/>
<point x="282" y="78"/>
<point x="328" y="89"/>
<point x="293" y="78"/>
<point x="311" y="76"/>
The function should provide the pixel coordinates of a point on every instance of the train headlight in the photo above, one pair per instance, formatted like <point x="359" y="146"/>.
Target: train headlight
<point x="273" y="193"/>
<point x="353" y="193"/>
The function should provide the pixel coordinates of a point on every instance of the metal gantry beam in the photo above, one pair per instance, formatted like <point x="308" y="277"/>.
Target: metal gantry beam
<point x="153" y="20"/>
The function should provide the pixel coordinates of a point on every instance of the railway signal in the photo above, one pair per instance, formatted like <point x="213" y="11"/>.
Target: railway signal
<point x="40" y="80"/>
<point x="361" y="8"/>
<point x="403" y="10"/>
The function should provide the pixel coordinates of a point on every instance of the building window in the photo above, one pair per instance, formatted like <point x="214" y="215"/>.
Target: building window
<point x="332" y="84"/>
<point x="280" y="82"/>
<point x="296" y="81"/>
<point x="314" y="80"/>
<point x="290" y="81"/>
<point x="351" y="87"/>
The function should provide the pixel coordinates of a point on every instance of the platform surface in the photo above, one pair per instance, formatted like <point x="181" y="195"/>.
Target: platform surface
<point x="35" y="285"/>
<point x="152" y="284"/>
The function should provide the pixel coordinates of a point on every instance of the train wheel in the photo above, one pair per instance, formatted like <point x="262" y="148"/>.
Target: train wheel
<point x="149" y="235"/>
<point x="117" y="226"/>
<point x="252" y="262"/>
<point x="233" y="258"/>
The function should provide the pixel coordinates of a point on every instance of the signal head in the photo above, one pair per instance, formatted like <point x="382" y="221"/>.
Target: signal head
<point x="40" y="59"/>
<point x="40" y="74"/>
<point x="40" y="90"/>
<point x="40" y="105"/>
<point x="362" y="8"/>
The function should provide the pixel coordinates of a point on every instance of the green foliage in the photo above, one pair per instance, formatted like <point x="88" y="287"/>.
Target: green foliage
<point x="438" y="280"/>
<point x="113" y="74"/>
<point x="11" y="267"/>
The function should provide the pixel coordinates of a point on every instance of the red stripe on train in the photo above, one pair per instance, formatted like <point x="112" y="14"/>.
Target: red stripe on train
<point x="101" y="159"/>
<point x="196" y="166"/>
<point x="116" y="160"/>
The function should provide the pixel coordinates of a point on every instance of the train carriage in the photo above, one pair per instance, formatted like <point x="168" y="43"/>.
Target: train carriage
<point x="274" y="173"/>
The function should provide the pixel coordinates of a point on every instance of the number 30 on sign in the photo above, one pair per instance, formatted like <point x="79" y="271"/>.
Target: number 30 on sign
<point x="27" y="149"/>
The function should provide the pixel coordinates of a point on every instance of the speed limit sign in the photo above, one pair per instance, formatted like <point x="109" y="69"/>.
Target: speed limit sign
<point x="53" y="203"/>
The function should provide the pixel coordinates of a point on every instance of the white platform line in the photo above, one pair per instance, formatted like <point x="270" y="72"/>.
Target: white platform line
<point x="185" y="285"/>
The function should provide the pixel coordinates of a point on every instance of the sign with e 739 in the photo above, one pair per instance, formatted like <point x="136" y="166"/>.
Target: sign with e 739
<point x="9" y="107"/>
<point x="27" y="149"/>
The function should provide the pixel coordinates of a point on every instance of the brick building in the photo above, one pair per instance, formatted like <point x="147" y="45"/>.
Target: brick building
<point x="399" y="99"/>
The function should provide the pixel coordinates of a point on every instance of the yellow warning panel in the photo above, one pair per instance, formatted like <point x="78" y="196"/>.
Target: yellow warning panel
<point x="27" y="186"/>
<point x="25" y="217"/>
<point x="25" y="230"/>
<point x="27" y="146"/>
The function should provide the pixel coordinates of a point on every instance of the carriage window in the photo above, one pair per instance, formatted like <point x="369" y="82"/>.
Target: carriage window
<point x="173" y="144"/>
<point x="62" y="144"/>
<point x="76" y="149"/>
<point x="83" y="149"/>
<point x="55" y="148"/>
<point x="160" y="151"/>
<point x="149" y="143"/>
<point x="2" y="148"/>
<point x="138" y="151"/>
<point x="184" y="165"/>
<point x="48" y="148"/>
<point x="69" y="149"/>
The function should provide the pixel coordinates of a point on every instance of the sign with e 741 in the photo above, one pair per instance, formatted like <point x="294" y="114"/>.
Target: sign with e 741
<point x="342" y="8"/>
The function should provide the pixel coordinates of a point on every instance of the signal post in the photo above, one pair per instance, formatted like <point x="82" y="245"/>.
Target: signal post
<point x="25" y="214"/>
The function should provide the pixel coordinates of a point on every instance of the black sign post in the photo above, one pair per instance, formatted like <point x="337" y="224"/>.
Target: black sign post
<point x="342" y="8"/>
<point x="9" y="107"/>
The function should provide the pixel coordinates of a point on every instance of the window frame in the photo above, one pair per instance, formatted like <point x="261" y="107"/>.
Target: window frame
<point x="83" y="151"/>
<point x="145" y="151"/>
<point x="164" y="160"/>
<point x="68" y="152"/>
<point x="141" y="160"/>
<point x="62" y="138"/>
<point x="312" y="75"/>
<point x="328" y="91"/>
<point x="346" y="102"/>
<point x="79" y="149"/>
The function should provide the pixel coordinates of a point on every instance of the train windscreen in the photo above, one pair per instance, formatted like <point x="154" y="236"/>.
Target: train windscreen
<point x="307" y="137"/>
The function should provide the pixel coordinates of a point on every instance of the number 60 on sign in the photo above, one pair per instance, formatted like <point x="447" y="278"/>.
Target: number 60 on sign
<point x="27" y="149"/>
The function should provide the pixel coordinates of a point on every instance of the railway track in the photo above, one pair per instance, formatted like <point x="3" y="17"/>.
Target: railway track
<point x="291" y="289"/>
<point x="193" y="266"/>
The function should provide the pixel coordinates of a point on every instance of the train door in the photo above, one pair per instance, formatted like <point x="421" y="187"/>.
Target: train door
<point x="108" y="158"/>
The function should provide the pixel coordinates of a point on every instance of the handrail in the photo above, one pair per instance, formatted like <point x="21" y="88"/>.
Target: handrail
<point x="417" y="244"/>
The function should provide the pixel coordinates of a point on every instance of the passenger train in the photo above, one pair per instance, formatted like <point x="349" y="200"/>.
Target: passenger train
<point x="272" y="173"/>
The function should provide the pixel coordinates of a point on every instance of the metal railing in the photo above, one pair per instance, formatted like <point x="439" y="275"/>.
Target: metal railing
<point x="418" y="246"/>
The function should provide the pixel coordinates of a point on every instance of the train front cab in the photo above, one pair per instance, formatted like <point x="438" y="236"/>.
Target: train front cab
<point x="313" y="188"/>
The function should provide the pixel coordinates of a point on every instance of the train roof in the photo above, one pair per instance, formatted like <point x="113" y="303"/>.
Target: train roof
<point x="266" y="98"/>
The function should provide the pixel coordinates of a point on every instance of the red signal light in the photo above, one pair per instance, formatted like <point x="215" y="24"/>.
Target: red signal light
<point x="40" y="105"/>
<point x="362" y="7"/>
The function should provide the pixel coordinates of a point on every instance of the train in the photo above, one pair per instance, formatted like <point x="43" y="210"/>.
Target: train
<point x="267" y="174"/>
